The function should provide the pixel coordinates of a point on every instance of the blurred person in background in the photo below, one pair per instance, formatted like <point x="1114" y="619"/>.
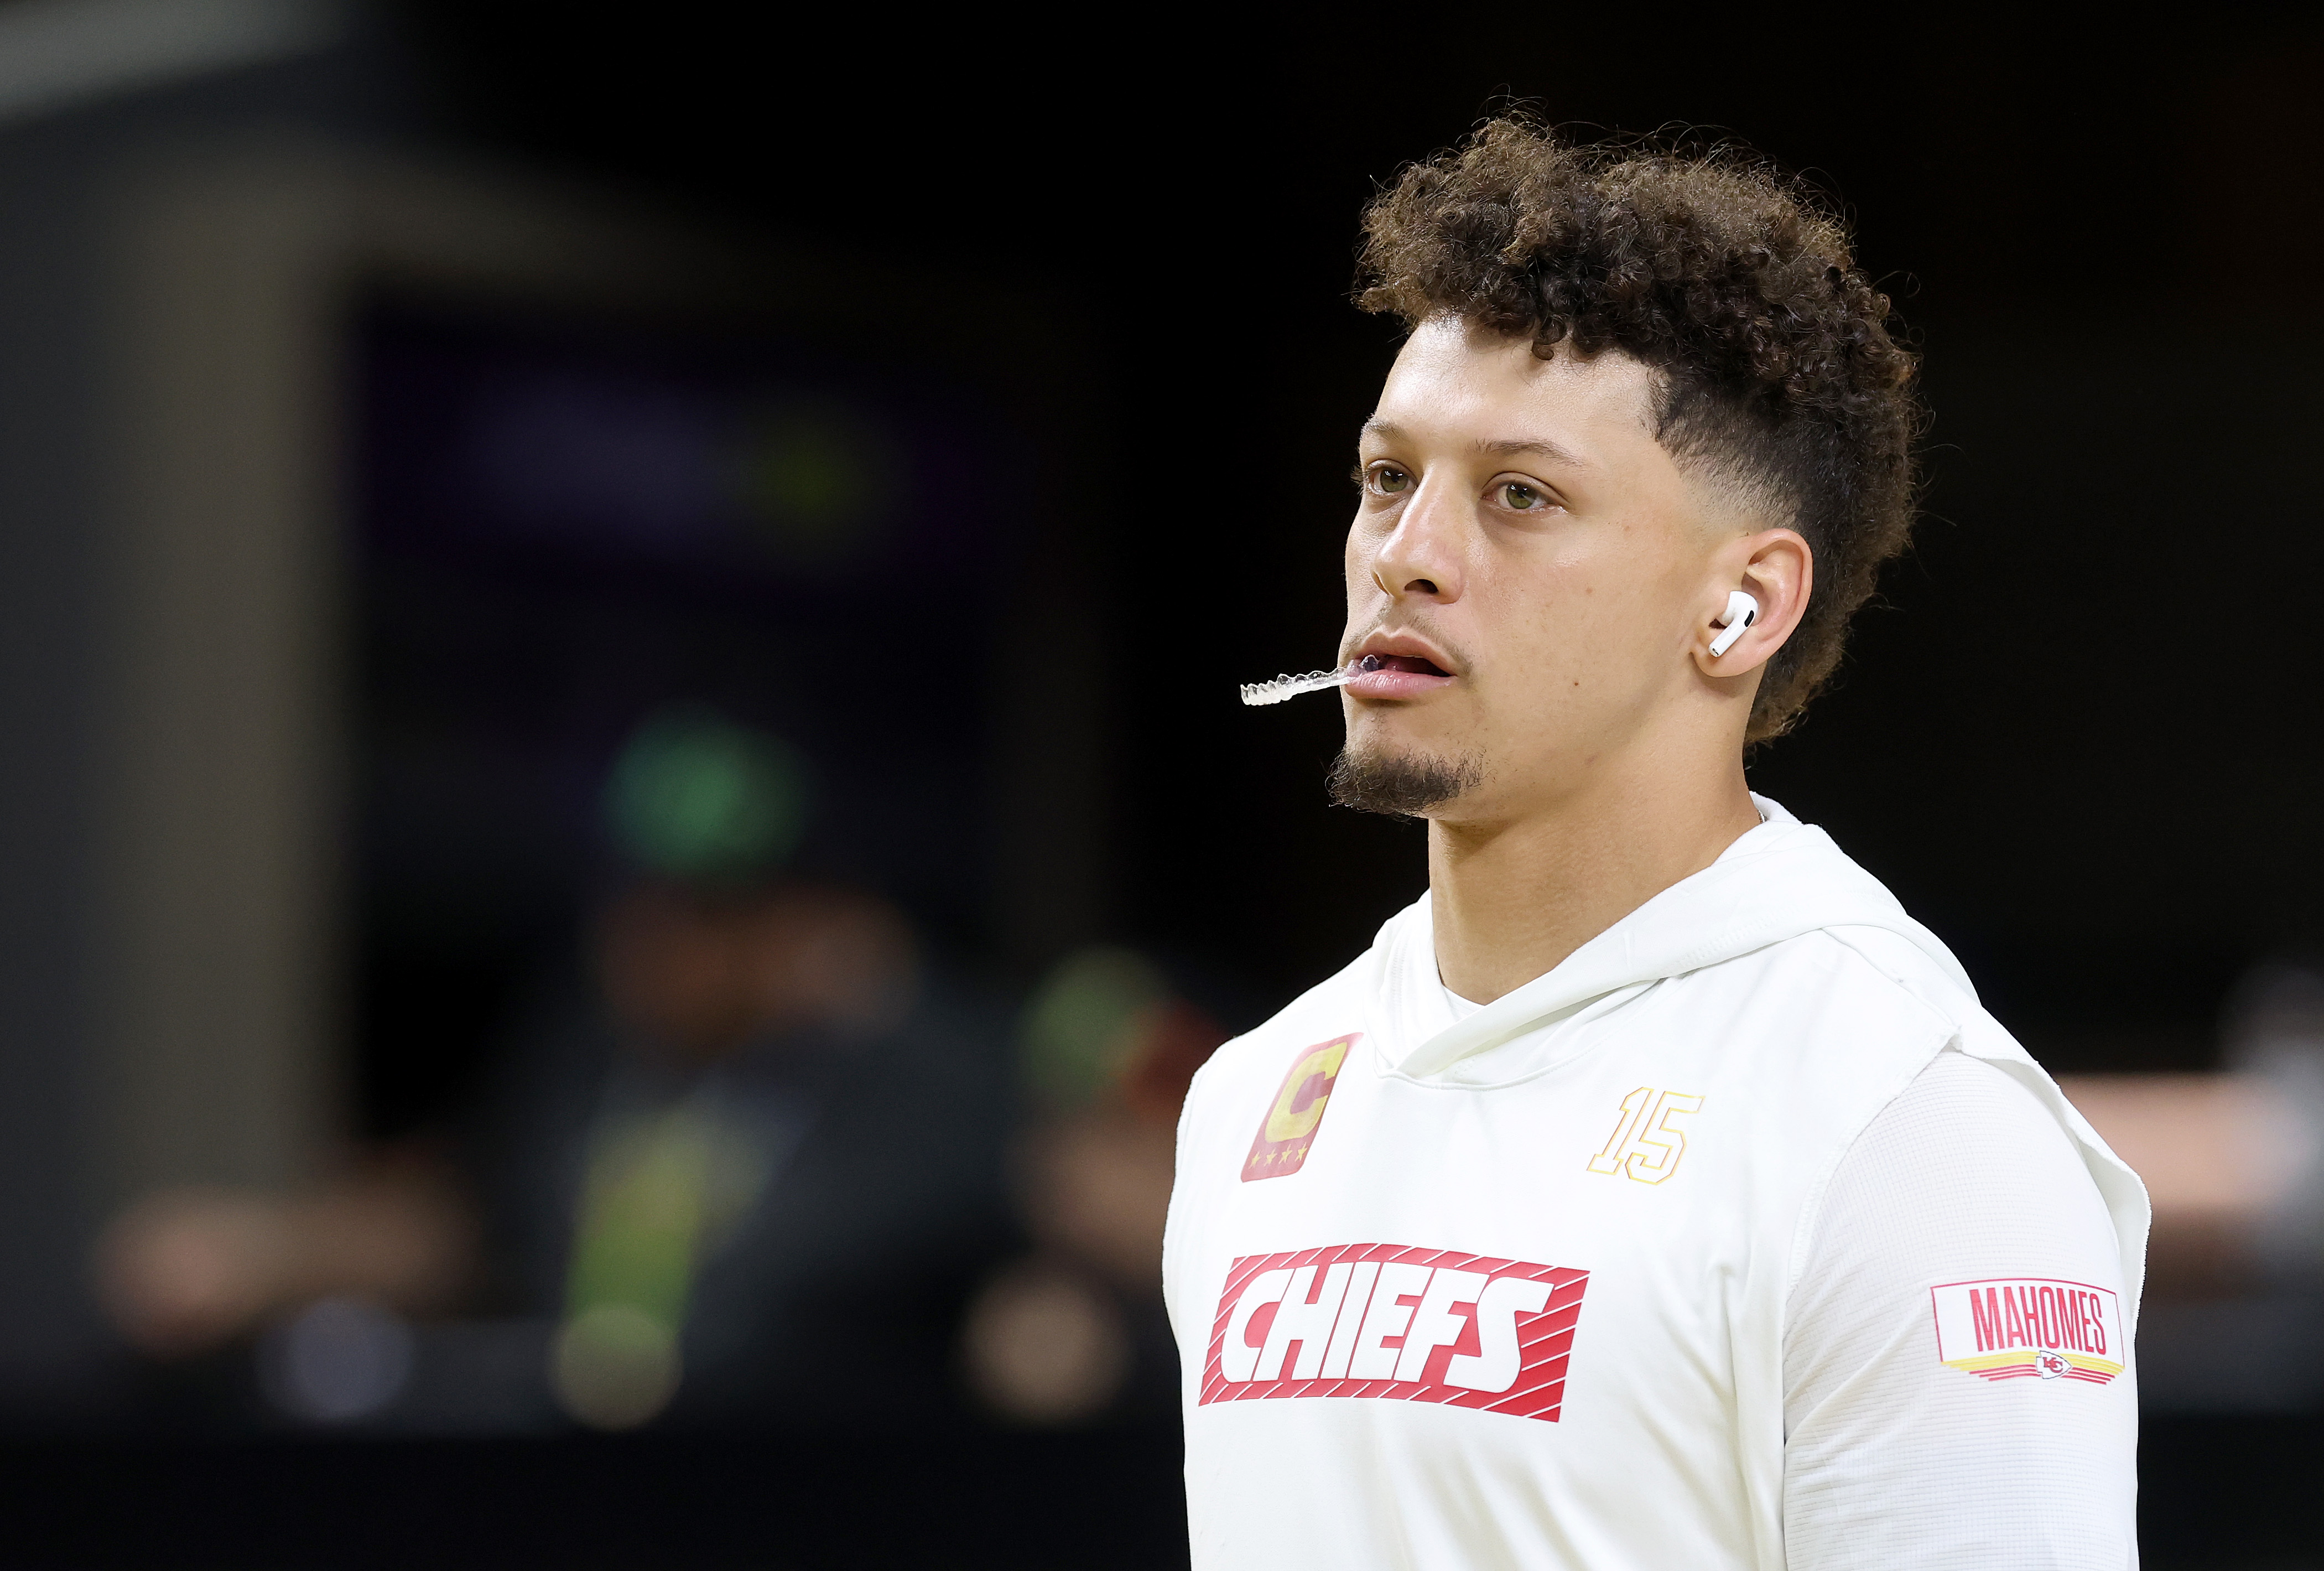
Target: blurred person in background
<point x="1076" y="1329"/>
<point x="2234" y="1158"/>
<point x="743" y="1169"/>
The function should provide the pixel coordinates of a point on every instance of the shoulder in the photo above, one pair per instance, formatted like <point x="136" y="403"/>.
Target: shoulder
<point x="1816" y="1008"/>
<point x="1812" y="1024"/>
<point x="1865" y="981"/>
<point x="1964" y="1172"/>
<point x="1970" y="1139"/>
<point x="1985" y="1098"/>
<point x="1958" y="1098"/>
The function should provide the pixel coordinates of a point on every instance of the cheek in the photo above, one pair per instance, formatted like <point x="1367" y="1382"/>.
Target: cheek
<point x="1356" y="562"/>
<point x="1557" y="610"/>
<point x="1579" y="638"/>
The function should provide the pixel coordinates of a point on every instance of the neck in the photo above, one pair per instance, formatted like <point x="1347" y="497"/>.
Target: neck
<point x="1514" y="895"/>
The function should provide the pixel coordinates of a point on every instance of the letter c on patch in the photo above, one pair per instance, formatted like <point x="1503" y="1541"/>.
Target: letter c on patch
<point x="1289" y="1120"/>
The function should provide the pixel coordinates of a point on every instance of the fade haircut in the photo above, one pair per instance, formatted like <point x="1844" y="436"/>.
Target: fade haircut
<point x="1778" y="368"/>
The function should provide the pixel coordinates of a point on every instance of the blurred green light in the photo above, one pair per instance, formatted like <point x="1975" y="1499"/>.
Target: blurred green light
<point x="1086" y="1021"/>
<point x="694" y="796"/>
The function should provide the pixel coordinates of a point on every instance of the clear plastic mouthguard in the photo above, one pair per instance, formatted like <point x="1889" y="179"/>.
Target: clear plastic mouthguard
<point x="1290" y="687"/>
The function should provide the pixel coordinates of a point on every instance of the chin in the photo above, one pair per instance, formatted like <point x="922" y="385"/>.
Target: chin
<point x="1407" y="782"/>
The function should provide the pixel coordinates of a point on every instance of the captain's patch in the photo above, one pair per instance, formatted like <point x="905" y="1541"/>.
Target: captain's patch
<point x="1298" y="1111"/>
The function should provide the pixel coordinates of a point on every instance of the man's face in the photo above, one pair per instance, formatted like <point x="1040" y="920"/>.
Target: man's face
<point x="1531" y="565"/>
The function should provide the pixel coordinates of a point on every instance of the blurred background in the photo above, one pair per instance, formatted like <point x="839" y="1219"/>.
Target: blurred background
<point x="622" y="817"/>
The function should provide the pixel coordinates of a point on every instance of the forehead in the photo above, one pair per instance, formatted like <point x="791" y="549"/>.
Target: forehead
<point x="1455" y="382"/>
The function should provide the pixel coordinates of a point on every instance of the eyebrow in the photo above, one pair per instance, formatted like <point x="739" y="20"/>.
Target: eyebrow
<point x="1506" y="447"/>
<point x="1546" y="450"/>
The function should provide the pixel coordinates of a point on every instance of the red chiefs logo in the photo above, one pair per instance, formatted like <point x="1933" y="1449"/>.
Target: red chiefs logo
<point x="1400" y="1324"/>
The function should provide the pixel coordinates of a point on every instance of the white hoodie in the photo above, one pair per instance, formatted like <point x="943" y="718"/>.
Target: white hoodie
<point x="1652" y="1262"/>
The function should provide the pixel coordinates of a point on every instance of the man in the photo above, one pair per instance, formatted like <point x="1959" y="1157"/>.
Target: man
<point x="678" y="1200"/>
<point x="1655" y="1192"/>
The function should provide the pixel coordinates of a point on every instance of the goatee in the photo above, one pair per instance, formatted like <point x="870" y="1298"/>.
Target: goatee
<point x="1405" y="785"/>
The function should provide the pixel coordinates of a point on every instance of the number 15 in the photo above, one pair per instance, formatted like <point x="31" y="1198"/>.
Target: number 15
<point x="1645" y="1144"/>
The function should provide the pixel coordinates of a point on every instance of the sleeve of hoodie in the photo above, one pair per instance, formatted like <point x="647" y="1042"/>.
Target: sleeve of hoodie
<point x="1893" y="1459"/>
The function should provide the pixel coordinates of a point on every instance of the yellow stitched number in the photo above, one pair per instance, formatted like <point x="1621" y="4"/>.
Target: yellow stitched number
<point x="1646" y="1145"/>
<point x="1609" y="1160"/>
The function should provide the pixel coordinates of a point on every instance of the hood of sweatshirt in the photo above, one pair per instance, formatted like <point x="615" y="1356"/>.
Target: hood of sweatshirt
<point x="1777" y="882"/>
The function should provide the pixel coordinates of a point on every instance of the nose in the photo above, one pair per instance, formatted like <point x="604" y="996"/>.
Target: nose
<point x="1421" y="558"/>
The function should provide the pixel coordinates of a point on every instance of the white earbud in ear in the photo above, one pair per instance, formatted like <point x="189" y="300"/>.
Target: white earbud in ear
<point x="1742" y="610"/>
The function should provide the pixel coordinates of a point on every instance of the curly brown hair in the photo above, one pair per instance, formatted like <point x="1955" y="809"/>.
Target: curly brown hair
<point x="1778" y="364"/>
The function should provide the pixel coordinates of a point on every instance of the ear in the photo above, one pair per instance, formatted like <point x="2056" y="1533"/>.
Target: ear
<point x="1775" y="567"/>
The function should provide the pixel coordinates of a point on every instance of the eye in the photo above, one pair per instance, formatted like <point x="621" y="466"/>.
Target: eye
<point x="1390" y="480"/>
<point x="1519" y="497"/>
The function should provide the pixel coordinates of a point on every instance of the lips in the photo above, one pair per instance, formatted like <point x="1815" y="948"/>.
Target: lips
<point x="1396" y="667"/>
<point x="1417" y="665"/>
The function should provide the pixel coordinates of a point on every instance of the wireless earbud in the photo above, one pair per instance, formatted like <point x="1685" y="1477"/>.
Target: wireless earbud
<point x="1742" y="610"/>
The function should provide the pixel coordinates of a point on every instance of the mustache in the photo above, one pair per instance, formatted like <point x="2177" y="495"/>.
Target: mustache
<point x="1417" y="626"/>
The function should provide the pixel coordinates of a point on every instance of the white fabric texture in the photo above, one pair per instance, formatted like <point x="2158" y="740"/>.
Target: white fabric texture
<point x="1720" y="1155"/>
<point x="1892" y="1459"/>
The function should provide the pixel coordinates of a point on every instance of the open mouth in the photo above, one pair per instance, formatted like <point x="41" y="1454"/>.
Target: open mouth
<point x="1391" y="677"/>
<point x="1411" y="663"/>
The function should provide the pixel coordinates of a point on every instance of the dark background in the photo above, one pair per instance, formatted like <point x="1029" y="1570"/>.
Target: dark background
<point x="2074" y="734"/>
